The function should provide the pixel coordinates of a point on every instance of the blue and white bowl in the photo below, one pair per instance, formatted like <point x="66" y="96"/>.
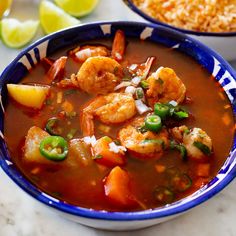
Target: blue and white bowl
<point x="223" y="43"/>
<point x="47" y="46"/>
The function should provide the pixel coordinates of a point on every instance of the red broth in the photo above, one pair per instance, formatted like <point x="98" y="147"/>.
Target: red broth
<point x="82" y="185"/>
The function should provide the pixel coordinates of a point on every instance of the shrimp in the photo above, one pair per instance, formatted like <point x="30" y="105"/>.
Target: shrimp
<point x="98" y="75"/>
<point x="165" y="86"/>
<point x="110" y="109"/>
<point x="56" y="68"/>
<point x="81" y="54"/>
<point x="118" y="47"/>
<point x="146" y="144"/>
<point x="100" y="72"/>
<point x="192" y="141"/>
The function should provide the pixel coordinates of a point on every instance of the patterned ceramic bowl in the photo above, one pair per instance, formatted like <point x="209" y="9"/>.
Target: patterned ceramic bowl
<point x="214" y="63"/>
<point x="224" y="43"/>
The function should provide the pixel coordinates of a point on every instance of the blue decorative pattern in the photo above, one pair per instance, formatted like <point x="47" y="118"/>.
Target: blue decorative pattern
<point x="214" y="63"/>
<point x="37" y="54"/>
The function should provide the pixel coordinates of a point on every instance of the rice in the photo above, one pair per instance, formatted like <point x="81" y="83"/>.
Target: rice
<point x="197" y="15"/>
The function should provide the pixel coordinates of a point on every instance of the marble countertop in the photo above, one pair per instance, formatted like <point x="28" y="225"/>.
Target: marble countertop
<point x="20" y="215"/>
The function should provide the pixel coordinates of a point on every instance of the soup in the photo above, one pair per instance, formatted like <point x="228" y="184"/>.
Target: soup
<point x="118" y="126"/>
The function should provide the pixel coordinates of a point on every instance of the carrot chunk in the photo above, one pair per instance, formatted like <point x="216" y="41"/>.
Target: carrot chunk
<point x="103" y="155"/>
<point x="117" y="188"/>
<point x="160" y="168"/>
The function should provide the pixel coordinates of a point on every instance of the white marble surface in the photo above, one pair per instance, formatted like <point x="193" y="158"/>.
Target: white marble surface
<point x="20" y="215"/>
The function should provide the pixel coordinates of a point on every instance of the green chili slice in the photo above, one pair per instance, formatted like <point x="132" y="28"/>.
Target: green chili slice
<point x="168" y="110"/>
<point x="164" y="195"/>
<point x="202" y="147"/>
<point x="181" y="114"/>
<point x="153" y="123"/>
<point x="52" y="126"/>
<point x="139" y="93"/>
<point x="54" y="148"/>
<point x="180" y="182"/>
<point x="144" y="84"/>
<point x="162" y="110"/>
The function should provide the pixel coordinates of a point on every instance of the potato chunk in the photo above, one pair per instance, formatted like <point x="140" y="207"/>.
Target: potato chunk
<point x="28" y="95"/>
<point x="79" y="153"/>
<point x="32" y="154"/>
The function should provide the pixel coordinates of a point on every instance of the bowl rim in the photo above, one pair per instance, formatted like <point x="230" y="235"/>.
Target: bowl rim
<point x="139" y="12"/>
<point x="105" y="215"/>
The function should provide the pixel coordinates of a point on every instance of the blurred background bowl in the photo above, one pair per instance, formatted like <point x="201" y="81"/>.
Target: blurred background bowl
<point x="223" y="43"/>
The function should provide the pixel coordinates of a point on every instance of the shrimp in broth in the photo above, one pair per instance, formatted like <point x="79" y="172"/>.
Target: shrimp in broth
<point x="109" y="125"/>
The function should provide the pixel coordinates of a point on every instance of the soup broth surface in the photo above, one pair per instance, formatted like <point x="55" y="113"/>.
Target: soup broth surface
<point x="83" y="185"/>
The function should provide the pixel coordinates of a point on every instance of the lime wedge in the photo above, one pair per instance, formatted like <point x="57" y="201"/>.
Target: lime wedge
<point x="77" y="8"/>
<point x="53" y="18"/>
<point x="16" y="34"/>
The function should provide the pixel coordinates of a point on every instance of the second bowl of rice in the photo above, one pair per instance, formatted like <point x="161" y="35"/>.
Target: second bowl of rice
<point x="211" y="21"/>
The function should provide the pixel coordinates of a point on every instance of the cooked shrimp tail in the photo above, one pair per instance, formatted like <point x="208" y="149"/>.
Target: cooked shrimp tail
<point x="147" y="67"/>
<point x="87" y="124"/>
<point x="118" y="47"/>
<point x="57" y="67"/>
<point x="142" y="70"/>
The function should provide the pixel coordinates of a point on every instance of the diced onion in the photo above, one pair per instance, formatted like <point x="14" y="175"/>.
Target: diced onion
<point x="133" y="67"/>
<point x="90" y="140"/>
<point x="136" y="80"/>
<point x="122" y="85"/>
<point x="85" y="53"/>
<point x="141" y="107"/>
<point x="130" y="89"/>
<point x="173" y="103"/>
<point x="116" y="149"/>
